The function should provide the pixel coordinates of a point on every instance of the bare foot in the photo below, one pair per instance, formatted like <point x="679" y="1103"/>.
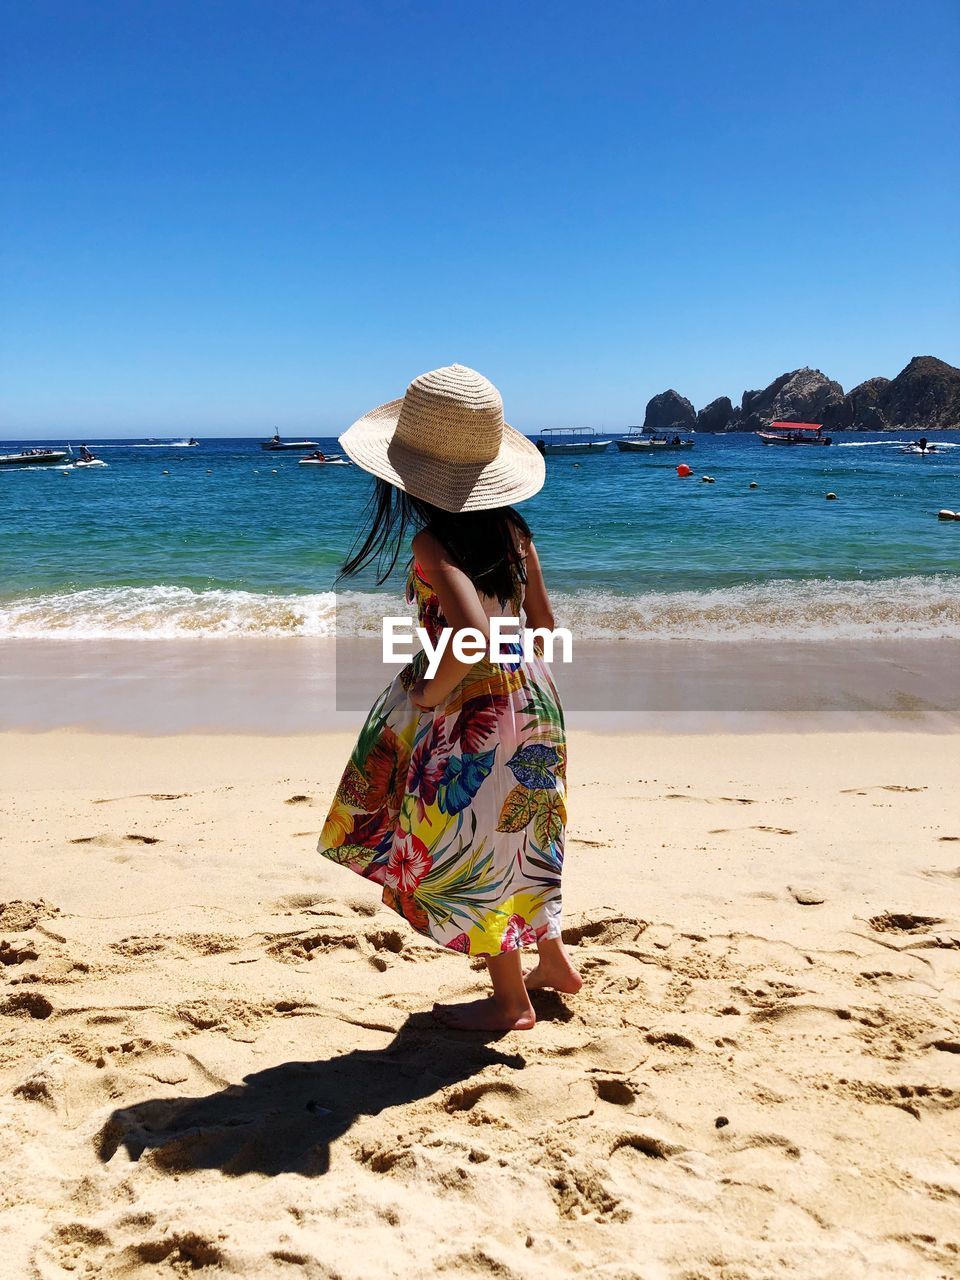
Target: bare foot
<point x="484" y="1015"/>
<point x="557" y="973"/>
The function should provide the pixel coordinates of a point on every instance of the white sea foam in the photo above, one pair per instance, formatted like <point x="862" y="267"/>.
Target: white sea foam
<point x="911" y="607"/>
<point x="823" y="609"/>
<point x="152" y="444"/>
<point x="890" y="444"/>
<point x="165" y="613"/>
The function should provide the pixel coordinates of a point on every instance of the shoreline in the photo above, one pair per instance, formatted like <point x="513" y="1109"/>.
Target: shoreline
<point x="301" y="686"/>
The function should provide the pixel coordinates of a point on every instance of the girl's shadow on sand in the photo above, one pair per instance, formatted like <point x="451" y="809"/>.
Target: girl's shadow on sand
<point x="284" y="1119"/>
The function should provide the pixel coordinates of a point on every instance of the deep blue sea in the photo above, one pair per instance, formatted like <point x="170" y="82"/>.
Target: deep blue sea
<point x="224" y="539"/>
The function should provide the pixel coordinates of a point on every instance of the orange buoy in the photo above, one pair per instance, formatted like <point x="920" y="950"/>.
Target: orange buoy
<point x="684" y="470"/>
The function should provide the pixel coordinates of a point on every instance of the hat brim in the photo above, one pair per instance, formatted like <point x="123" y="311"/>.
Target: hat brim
<point x="517" y="472"/>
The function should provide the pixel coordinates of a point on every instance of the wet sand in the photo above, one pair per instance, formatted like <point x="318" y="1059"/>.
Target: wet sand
<point x="288" y="686"/>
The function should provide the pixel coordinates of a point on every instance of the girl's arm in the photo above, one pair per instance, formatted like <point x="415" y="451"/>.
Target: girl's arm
<point x="461" y="607"/>
<point x="536" y="602"/>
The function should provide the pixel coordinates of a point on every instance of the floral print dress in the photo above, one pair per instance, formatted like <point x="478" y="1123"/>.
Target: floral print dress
<point x="458" y="812"/>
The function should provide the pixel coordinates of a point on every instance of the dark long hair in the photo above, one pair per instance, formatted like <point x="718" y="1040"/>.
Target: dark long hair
<point x="483" y="543"/>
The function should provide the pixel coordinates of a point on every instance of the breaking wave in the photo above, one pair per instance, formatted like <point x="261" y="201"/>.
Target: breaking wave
<point x="909" y="607"/>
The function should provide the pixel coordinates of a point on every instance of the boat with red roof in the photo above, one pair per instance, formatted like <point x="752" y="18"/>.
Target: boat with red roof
<point x="794" y="433"/>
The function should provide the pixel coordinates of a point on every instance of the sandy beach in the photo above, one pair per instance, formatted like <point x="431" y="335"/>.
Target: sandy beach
<point x="216" y="1055"/>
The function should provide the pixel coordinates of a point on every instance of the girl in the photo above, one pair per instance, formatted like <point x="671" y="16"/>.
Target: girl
<point x="453" y="797"/>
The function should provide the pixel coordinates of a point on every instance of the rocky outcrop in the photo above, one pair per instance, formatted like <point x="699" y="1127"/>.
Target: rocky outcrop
<point x="718" y="415"/>
<point x="924" y="395"/>
<point x="805" y="395"/>
<point x="860" y="409"/>
<point x="670" y="409"/>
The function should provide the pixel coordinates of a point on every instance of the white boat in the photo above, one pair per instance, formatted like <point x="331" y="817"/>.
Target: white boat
<point x="569" y="440"/>
<point x="277" y="445"/>
<point x="334" y="460"/>
<point x="649" y="440"/>
<point x="33" y="458"/>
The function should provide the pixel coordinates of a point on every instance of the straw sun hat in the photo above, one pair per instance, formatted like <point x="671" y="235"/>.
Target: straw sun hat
<point x="446" y="442"/>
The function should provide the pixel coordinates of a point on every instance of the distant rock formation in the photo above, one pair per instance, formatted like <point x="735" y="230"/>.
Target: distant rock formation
<point x="805" y="395"/>
<point x="670" y="409"/>
<point x="860" y="409"/>
<point x="926" y="394"/>
<point x="718" y="415"/>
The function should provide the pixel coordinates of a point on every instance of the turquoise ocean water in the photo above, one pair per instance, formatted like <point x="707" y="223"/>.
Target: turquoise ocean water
<point x="224" y="539"/>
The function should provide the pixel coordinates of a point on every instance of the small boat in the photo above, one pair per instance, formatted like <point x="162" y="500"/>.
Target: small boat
<point x="277" y="445"/>
<point x="192" y="442"/>
<point x="33" y="458"/>
<point x="794" y="433"/>
<point x="568" y="440"/>
<point x="650" y="440"/>
<point x="328" y="460"/>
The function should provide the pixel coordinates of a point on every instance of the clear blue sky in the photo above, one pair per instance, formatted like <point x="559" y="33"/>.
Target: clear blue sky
<point x="222" y="215"/>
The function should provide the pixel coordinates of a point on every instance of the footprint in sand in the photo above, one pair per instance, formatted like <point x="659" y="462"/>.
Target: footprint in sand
<point x="902" y="922"/>
<point x="136" y="946"/>
<point x="653" y="1148"/>
<point x="913" y="1099"/>
<point x="17" y="915"/>
<point x="207" y="944"/>
<point x="669" y="1040"/>
<point x="779" y="831"/>
<point x="679" y="795"/>
<point x="579" y="1192"/>
<point x="467" y="1097"/>
<point x="72" y="1245"/>
<point x="112" y="842"/>
<point x="10" y="955"/>
<point x="307" y="946"/>
<point x="770" y="1141"/>
<point x="618" y="1092"/>
<point x="880" y="786"/>
<point x="298" y="800"/>
<point x="301" y="901"/>
<point x="146" y="795"/>
<point x="26" y="1004"/>
<point x="603" y="929"/>
<point x="945" y="873"/>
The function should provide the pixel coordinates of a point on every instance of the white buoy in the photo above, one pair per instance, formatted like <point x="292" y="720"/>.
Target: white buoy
<point x="948" y="515"/>
<point x="166" y="473"/>
<point x="754" y="485"/>
<point x="709" y="480"/>
<point x="831" y="497"/>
